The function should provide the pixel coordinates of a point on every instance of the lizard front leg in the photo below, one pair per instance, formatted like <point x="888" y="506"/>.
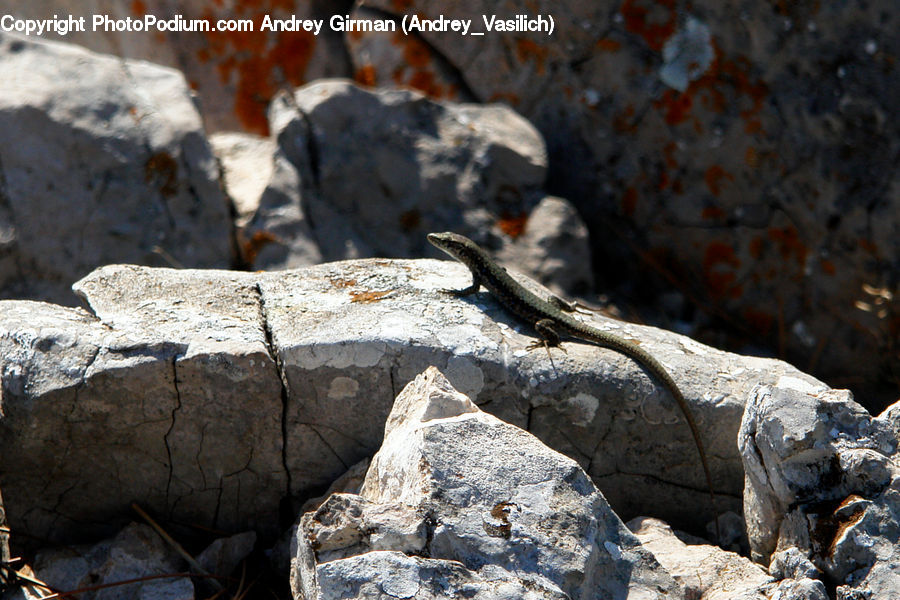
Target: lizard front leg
<point x="476" y="284"/>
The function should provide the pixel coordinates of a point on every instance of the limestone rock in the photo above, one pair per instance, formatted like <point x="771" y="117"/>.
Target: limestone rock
<point x="369" y="168"/>
<point x="822" y="481"/>
<point x="213" y="396"/>
<point x="225" y="554"/>
<point x="455" y="484"/>
<point x="247" y="163"/>
<point x="102" y="160"/>
<point x="704" y="570"/>
<point x="136" y="551"/>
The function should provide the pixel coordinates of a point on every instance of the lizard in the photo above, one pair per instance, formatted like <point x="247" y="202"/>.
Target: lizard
<point x="551" y="319"/>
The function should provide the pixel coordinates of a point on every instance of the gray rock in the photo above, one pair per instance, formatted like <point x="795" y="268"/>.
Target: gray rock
<point x="350" y="482"/>
<point x="102" y="160"/>
<point x="225" y="554"/>
<point x="704" y="570"/>
<point x="136" y="551"/>
<point x="455" y="484"/>
<point x="247" y="162"/>
<point x="553" y="248"/>
<point x="822" y="478"/>
<point x="375" y="171"/>
<point x="148" y="399"/>
<point x="211" y="395"/>
<point x="799" y="589"/>
<point x="791" y="563"/>
<point x="386" y="575"/>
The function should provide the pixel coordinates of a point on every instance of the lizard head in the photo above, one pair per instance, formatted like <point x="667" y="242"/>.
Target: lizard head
<point x="457" y="246"/>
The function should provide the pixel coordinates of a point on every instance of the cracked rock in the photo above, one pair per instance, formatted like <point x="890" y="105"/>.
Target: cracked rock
<point x="213" y="395"/>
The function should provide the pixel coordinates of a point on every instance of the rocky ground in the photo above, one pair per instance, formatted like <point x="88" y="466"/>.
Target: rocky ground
<point x="258" y="382"/>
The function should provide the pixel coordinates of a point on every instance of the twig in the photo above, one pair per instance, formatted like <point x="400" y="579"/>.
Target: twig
<point x="176" y="546"/>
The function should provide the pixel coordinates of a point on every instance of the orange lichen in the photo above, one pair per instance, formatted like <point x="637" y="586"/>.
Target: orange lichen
<point x="251" y="247"/>
<point x="342" y="282"/>
<point x="528" y="50"/>
<point x="653" y="29"/>
<point x="719" y="260"/>
<point x="257" y="62"/>
<point x="367" y="297"/>
<point x="608" y="45"/>
<point x="138" y="7"/>
<point x="713" y="178"/>
<point x="663" y="181"/>
<point x="424" y="81"/>
<point x="508" y="97"/>
<point x="756" y="247"/>
<point x="416" y="53"/>
<point x="787" y="239"/>
<point x="162" y="170"/>
<point x="723" y="85"/>
<point x="712" y="212"/>
<point x="623" y="122"/>
<point x="753" y="126"/>
<point x="677" y="106"/>
<point x="751" y="157"/>
<point x="410" y="219"/>
<point x="868" y="246"/>
<point x="512" y="225"/>
<point x="365" y="75"/>
<point x="417" y="69"/>
<point x="718" y="253"/>
<point x="669" y="154"/>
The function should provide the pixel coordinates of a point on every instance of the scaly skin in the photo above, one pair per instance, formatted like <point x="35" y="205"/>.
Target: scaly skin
<point x="551" y="319"/>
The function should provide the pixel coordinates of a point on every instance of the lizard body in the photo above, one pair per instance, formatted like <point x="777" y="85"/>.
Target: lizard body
<point x="550" y="319"/>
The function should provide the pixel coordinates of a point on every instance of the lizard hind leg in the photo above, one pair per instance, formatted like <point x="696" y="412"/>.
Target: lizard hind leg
<point x="548" y="334"/>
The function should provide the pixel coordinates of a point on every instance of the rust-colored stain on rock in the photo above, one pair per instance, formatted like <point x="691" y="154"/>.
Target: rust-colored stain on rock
<point x="162" y="170"/>
<point x="530" y="51"/>
<point x="653" y="20"/>
<point x="719" y="263"/>
<point x="513" y="225"/>
<point x="366" y="297"/>
<point x="257" y="63"/>
<point x="788" y="242"/>
<point x="713" y="178"/>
